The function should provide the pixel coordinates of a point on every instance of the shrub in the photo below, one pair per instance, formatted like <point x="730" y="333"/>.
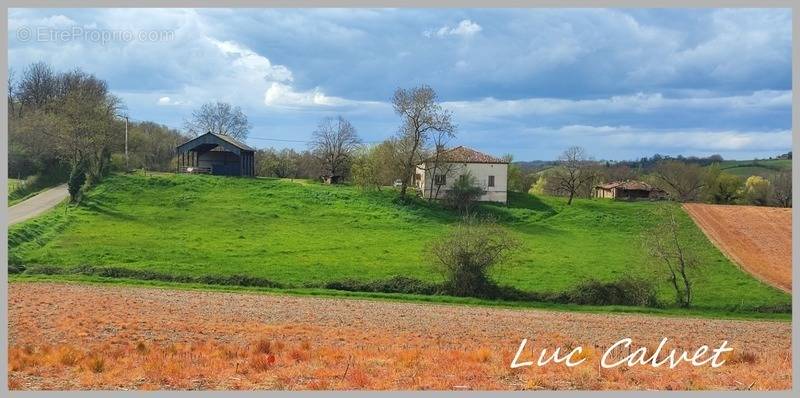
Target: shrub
<point x="626" y="291"/>
<point x="395" y="284"/>
<point x="77" y="177"/>
<point x="467" y="254"/>
<point x="464" y="192"/>
<point x="14" y="267"/>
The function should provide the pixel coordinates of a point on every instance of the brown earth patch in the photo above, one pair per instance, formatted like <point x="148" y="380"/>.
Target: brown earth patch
<point x="758" y="239"/>
<point x="77" y="336"/>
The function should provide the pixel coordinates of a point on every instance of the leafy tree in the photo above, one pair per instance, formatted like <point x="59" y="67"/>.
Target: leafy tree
<point x="366" y="168"/>
<point x="518" y="179"/>
<point x="466" y="256"/>
<point x="757" y="190"/>
<point x="721" y="187"/>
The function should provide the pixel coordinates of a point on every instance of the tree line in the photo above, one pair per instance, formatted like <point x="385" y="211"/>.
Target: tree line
<point x="69" y="123"/>
<point x="575" y="174"/>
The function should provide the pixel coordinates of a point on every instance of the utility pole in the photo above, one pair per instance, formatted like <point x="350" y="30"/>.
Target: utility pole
<point x="127" y="166"/>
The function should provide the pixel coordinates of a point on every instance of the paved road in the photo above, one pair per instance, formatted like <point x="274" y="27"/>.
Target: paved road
<point x="36" y="205"/>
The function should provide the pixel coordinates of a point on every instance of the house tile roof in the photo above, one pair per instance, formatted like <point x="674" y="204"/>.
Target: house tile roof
<point x="462" y="154"/>
<point x="627" y="185"/>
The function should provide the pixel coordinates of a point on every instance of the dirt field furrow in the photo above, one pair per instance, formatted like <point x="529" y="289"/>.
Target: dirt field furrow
<point x="758" y="239"/>
<point x="76" y="336"/>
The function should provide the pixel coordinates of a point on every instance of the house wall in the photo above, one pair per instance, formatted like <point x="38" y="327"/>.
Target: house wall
<point x="481" y="172"/>
<point x="605" y="193"/>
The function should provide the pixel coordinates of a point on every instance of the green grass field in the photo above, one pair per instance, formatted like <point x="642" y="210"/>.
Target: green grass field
<point x="763" y="168"/>
<point x="302" y="234"/>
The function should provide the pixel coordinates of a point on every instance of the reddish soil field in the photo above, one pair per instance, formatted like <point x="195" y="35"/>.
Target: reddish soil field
<point x="758" y="239"/>
<point x="76" y="336"/>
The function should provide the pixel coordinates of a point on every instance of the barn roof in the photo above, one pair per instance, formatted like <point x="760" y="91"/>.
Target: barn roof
<point x="627" y="185"/>
<point x="462" y="154"/>
<point x="209" y="141"/>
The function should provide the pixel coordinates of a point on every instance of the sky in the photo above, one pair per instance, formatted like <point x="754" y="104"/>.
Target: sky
<point x="528" y="82"/>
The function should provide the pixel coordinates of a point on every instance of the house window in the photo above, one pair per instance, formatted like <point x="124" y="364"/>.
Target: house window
<point x="440" y="179"/>
<point x="491" y="181"/>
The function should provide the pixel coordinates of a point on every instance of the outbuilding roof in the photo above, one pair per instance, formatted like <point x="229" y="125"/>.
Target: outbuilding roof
<point x="462" y="154"/>
<point x="210" y="140"/>
<point x="627" y="185"/>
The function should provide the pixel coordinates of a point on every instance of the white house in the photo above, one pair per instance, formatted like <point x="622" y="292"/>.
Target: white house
<point x="490" y="173"/>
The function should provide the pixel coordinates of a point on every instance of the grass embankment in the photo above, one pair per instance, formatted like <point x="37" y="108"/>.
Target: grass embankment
<point x="300" y="235"/>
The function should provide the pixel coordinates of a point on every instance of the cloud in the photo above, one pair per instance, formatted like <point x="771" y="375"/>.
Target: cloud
<point x="245" y="60"/>
<point x="465" y="28"/>
<point x="639" y="103"/>
<point x="168" y="101"/>
<point x="697" y="140"/>
<point x="644" y="72"/>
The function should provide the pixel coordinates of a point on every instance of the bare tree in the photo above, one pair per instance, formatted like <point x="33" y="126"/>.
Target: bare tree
<point x="439" y="165"/>
<point x="782" y="188"/>
<point x="422" y="116"/>
<point x="38" y="86"/>
<point x="333" y="143"/>
<point x="669" y="248"/>
<point x="682" y="180"/>
<point x="219" y="118"/>
<point x="573" y="172"/>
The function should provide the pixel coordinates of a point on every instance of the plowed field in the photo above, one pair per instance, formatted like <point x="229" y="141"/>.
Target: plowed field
<point x="759" y="239"/>
<point x="75" y="336"/>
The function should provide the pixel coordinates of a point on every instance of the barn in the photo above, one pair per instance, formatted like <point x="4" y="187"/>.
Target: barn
<point x="628" y="190"/>
<point x="216" y="154"/>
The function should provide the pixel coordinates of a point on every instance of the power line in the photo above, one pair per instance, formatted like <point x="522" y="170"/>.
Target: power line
<point x="300" y="141"/>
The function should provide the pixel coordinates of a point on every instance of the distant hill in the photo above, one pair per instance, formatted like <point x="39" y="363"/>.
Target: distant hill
<point x="763" y="168"/>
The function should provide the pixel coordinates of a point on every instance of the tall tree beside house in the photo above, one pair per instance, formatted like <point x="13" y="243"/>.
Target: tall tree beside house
<point x="422" y="117"/>
<point x="440" y="139"/>
<point x="333" y="144"/>
<point x="574" y="171"/>
<point x="218" y="118"/>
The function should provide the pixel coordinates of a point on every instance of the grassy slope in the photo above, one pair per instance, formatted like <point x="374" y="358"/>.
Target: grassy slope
<point x="763" y="168"/>
<point x="300" y="233"/>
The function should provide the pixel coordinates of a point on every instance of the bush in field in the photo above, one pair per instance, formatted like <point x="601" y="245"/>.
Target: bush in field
<point x="626" y="291"/>
<point x="757" y="190"/>
<point x="721" y="187"/>
<point x="464" y="192"/>
<point x="467" y="254"/>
